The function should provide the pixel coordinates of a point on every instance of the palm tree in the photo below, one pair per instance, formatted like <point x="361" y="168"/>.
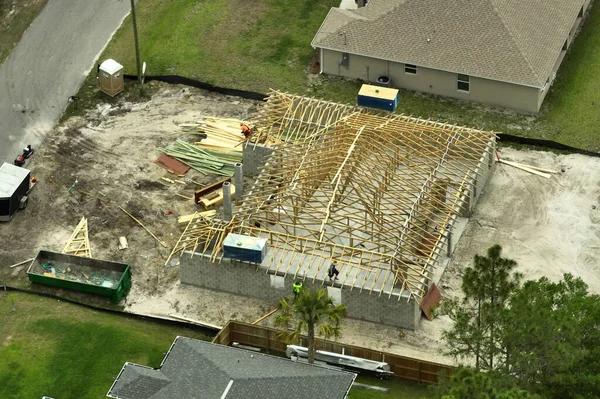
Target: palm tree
<point x="309" y="310"/>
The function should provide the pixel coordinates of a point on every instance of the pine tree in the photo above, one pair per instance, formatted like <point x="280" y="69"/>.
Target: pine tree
<point x="478" y="331"/>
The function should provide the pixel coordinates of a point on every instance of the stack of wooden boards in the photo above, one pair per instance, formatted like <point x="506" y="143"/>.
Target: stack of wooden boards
<point x="219" y="150"/>
<point x="204" y="160"/>
<point x="222" y="134"/>
<point x="531" y="169"/>
<point x="218" y="133"/>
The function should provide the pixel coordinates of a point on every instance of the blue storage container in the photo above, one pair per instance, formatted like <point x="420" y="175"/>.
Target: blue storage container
<point x="378" y="97"/>
<point x="245" y="248"/>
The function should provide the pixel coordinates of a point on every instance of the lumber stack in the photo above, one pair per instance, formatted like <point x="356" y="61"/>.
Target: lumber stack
<point x="218" y="133"/>
<point x="184" y="220"/>
<point x="531" y="169"/>
<point x="204" y="160"/>
<point x="214" y="198"/>
<point x="222" y="134"/>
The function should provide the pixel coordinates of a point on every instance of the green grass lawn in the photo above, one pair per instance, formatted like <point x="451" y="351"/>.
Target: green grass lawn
<point x="13" y="28"/>
<point x="50" y="347"/>
<point x="252" y="45"/>
<point x="265" y="44"/>
<point x="398" y="390"/>
<point x="54" y="348"/>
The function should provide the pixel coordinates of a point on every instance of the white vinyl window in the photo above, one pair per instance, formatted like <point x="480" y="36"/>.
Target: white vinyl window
<point x="463" y="83"/>
<point x="412" y="69"/>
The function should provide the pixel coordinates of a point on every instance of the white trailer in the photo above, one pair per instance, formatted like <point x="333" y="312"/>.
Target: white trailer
<point x="380" y="369"/>
<point x="14" y="187"/>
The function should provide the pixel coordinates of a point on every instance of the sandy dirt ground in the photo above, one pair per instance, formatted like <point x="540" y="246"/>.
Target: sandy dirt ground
<point x="550" y="226"/>
<point x="107" y="159"/>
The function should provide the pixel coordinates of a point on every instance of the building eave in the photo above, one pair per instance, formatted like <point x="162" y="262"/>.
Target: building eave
<point x="429" y="67"/>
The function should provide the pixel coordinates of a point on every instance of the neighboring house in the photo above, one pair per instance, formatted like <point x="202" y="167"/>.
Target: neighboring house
<point x="198" y="369"/>
<point x="499" y="52"/>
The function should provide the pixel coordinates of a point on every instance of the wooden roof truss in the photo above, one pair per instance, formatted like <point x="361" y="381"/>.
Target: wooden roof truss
<point x="376" y="193"/>
<point x="79" y="242"/>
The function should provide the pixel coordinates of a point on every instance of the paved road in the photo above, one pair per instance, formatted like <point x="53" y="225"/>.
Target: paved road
<point x="49" y="64"/>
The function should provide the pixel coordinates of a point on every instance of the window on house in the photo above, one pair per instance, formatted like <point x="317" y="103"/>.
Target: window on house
<point x="412" y="69"/>
<point x="463" y="82"/>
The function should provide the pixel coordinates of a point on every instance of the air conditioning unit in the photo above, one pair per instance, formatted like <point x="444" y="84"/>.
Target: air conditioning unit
<point x="384" y="81"/>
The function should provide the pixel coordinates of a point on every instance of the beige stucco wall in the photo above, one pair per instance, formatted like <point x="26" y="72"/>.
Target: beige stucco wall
<point x="359" y="67"/>
<point x="434" y="81"/>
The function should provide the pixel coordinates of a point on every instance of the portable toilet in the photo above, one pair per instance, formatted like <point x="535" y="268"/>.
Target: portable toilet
<point x="378" y="97"/>
<point x="111" y="77"/>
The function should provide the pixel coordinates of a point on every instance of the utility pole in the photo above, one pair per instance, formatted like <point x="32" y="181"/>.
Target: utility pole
<point x="137" y="45"/>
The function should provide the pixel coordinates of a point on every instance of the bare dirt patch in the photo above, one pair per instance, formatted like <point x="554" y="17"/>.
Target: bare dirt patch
<point x="106" y="159"/>
<point x="549" y="226"/>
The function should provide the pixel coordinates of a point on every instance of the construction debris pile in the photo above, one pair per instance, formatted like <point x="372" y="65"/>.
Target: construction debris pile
<point x="79" y="273"/>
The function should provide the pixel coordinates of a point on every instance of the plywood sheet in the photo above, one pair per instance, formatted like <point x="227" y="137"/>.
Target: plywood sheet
<point x="171" y="163"/>
<point x="429" y="301"/>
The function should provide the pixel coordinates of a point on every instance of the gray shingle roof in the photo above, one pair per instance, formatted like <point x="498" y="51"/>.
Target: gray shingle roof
<point x="198" y="369"/>
<point x="516" y="41"/>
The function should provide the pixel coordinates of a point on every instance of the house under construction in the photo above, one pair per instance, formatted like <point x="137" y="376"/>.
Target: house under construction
<point x="378" y="194"/>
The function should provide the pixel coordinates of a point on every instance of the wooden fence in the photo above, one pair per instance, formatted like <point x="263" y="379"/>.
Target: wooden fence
<point x="404" y="368"/>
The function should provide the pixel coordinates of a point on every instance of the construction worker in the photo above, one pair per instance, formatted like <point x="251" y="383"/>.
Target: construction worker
<point x="246" y="131"/>
<point x="297" y="288"/>
<point x="333" y="272"/>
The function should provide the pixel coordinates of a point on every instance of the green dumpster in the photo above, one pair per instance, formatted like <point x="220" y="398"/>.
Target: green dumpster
<point x="100" y="277"/>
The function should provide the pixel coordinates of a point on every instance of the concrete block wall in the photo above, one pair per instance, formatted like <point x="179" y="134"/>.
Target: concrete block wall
<point x="254" y="158"/>
<point x="382" y="309"/>
<point x="242" y="278"/>
<point x="231" y="276"/>
<point x="487" y="165"/>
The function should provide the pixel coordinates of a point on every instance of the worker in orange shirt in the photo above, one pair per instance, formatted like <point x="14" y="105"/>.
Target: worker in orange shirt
<point x="246" y="131"/>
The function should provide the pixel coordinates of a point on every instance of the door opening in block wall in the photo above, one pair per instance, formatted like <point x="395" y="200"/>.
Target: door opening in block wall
<point x="335" y="294"/>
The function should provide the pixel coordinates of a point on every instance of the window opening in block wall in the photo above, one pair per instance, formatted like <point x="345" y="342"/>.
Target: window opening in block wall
<point x="335" y="294"/>
<point x="277" y="282"/>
